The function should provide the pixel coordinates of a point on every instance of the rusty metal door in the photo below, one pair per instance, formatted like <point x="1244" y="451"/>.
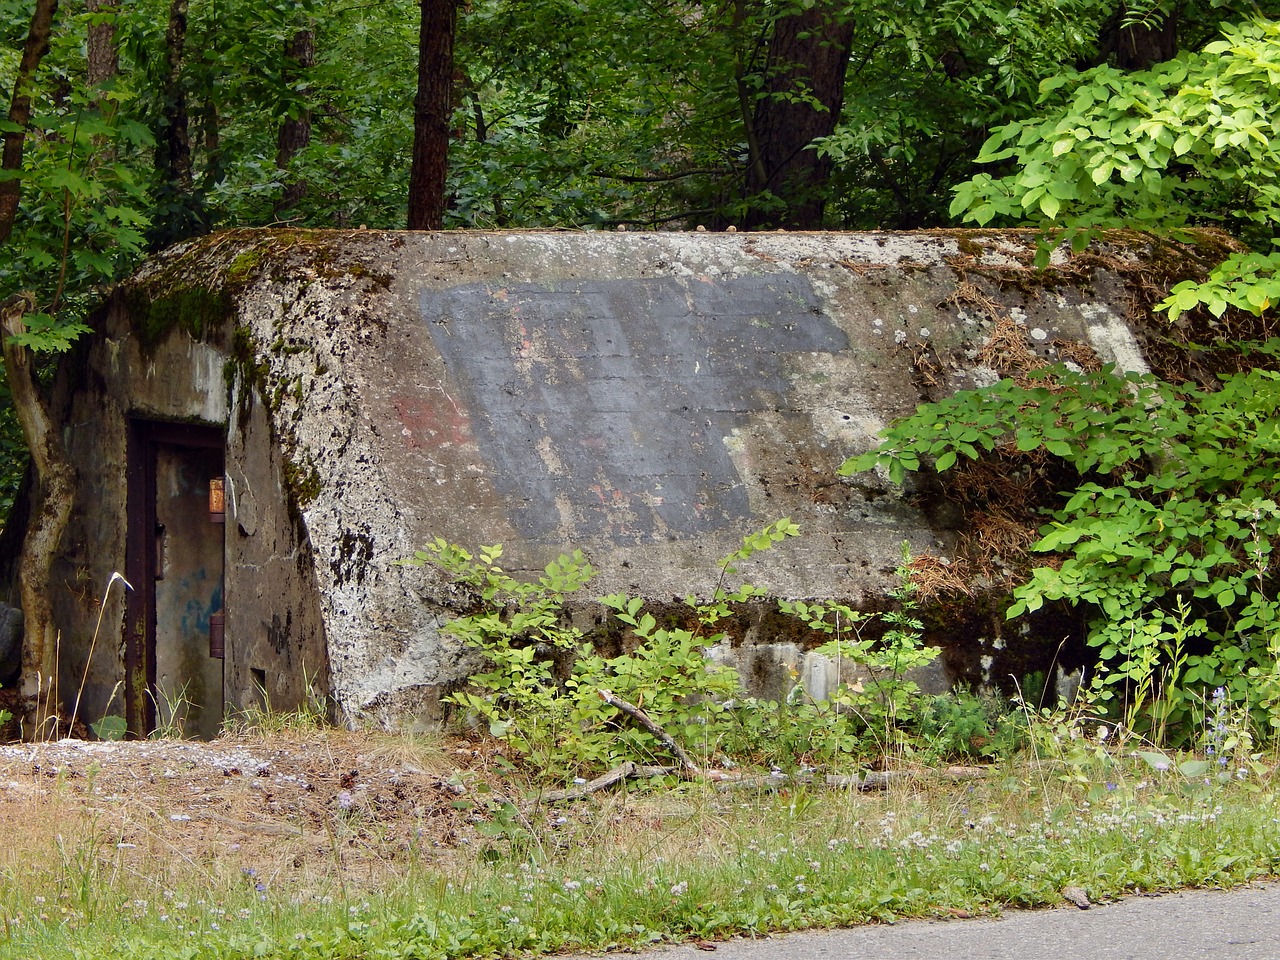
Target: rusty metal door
<point x="175" y="558"/>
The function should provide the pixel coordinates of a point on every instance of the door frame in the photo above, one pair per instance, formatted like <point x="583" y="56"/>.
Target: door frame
<point x="144" y="436"/>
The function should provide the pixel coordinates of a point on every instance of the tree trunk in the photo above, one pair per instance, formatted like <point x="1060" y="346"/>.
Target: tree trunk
<point x="102" y="55"/>
<point x="178" y="212"/>
<point x="52" y="508"/>
<point x="1138" y="46"/>
<point x="801" y="100"/>
<point x="295" y="131"/>
<point x="50" y="512"/>
<point x="33" y="51"/>
<point x="173" y="149"/>
<point x="432" y="111"/>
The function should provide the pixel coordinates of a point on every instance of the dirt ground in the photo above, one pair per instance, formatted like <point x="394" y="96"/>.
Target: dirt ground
<point x="298" y="806"/>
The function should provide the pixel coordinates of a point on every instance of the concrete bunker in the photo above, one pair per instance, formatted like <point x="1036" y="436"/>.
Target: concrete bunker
<point x="648" y="398"/>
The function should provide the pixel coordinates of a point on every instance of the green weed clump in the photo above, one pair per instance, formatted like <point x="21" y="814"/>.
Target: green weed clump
<point x="547" y="693"/>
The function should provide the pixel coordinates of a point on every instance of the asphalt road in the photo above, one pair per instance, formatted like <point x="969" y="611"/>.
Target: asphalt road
<point x="1242" y="924"/>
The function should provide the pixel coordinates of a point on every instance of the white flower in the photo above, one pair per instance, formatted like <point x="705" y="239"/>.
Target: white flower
<point x="680" y="888"/>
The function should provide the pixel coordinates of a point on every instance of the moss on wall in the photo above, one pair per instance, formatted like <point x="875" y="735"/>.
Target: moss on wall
<point x="197" y="310"/>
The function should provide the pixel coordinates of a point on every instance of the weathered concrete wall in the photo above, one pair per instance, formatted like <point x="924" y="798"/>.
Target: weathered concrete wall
<point x="648" y="398"/>
<point x="270" y="593"/>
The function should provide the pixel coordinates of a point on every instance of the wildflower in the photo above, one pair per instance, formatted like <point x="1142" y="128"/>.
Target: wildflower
<point x="679" y="889"/>
<point x="572" y="884"/>
<point x="345" y="800"/>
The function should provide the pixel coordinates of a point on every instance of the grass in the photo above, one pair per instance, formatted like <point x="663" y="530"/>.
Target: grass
<point x="629" y="869"/>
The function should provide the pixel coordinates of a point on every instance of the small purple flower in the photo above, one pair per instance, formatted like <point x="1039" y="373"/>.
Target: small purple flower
<point x="345" y="800"/>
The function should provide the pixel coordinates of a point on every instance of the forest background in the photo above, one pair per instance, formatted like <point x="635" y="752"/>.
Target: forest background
<point x="148" y="122"/>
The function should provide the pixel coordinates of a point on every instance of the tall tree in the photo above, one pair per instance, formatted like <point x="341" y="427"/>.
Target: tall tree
<point x="101" y="54"/>
<point x="295" y="128"/>
<point x="432" y="115"/>
<point x="178" y="212"/>
<point x="54" y="475"/>
<point x="1137" y="39"/>
<point x="802" y="94"/>
<point x="15" y="137"/>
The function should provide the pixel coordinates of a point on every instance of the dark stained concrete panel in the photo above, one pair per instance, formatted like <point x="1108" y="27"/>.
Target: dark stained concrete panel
<point x="614" y="396"/>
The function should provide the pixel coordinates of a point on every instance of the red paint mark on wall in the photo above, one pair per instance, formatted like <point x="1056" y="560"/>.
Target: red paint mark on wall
<point x="434" y="420"/>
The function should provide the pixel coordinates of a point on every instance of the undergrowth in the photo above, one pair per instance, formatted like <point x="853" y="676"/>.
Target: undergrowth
<point x="551" y="696"/>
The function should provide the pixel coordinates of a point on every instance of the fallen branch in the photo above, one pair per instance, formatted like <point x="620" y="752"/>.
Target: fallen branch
<point x="621" y="772"/>
<point x="863" y="782"/>
<point x="691" y="769"/>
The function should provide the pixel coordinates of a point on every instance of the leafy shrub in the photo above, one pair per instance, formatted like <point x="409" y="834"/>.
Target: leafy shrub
<point x="968" y="726"/>
<point x="540" y="690"/>
<point x="1168" y="539"/>
<point x="885" y="700"/>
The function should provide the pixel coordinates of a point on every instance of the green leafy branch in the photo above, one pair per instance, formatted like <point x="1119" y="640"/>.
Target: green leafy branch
<point x="1195" y="139"/>
<point x="1177" y="508"/>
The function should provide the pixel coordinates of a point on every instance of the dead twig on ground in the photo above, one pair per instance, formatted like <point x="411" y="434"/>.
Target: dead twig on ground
<point x="690" y="769"/>
<point x="622" y="771"/>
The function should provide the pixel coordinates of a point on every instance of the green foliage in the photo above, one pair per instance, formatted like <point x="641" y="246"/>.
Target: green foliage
<point x="928" y="80"/>
<point x="968" y="726"/>
<point x="540" y="688"/>
<point x="110" y="727"/>
<point x="1169" y="538"/>
<point x="520" y="631"/>
<point x="882" y="695"/>
<point x="875" y="706"/>
<point x="1192" y="140"/>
